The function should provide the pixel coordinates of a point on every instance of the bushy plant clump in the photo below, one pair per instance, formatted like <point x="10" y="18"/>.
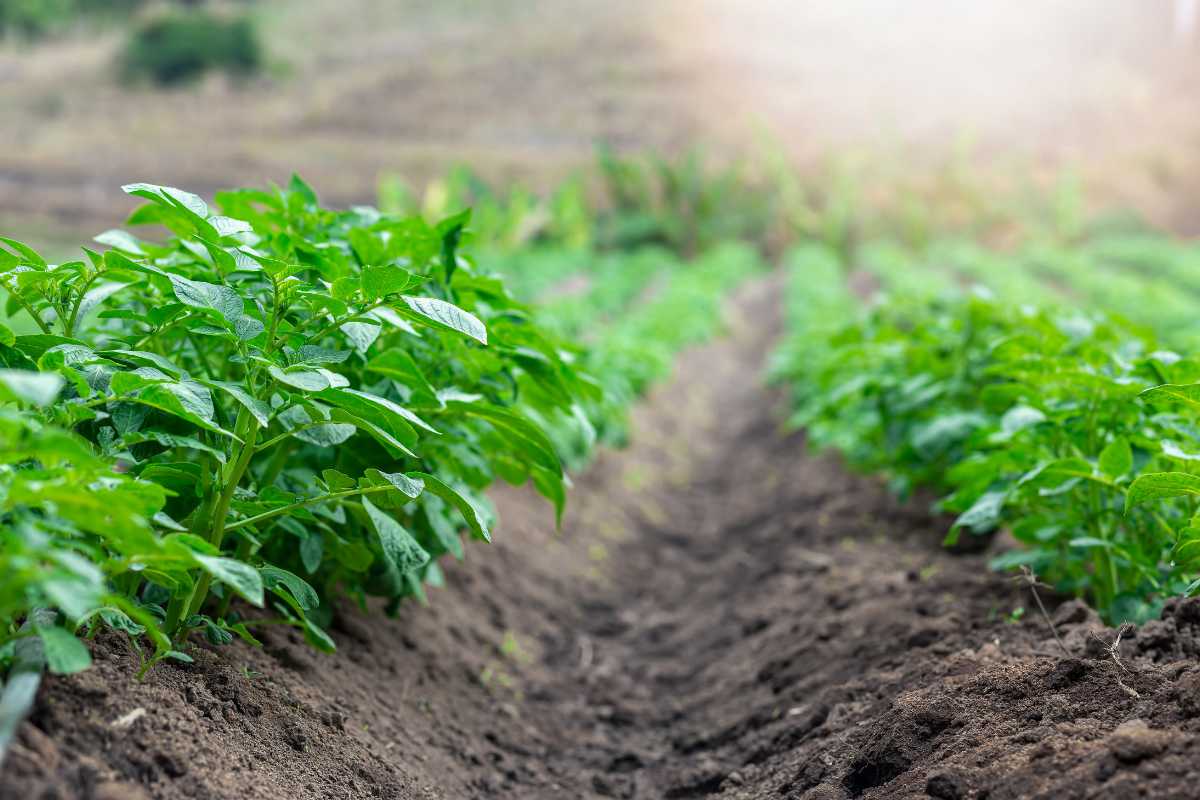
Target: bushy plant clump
<point x="277" y="403"/>
<point x="1075" y="431"/>
<point x="177" y="47"/>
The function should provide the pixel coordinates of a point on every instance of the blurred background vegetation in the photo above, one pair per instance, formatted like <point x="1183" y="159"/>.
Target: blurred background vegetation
<point x="951" y="107"/>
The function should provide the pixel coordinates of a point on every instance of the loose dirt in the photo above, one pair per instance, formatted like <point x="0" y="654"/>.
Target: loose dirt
<point x="722" y="616"/>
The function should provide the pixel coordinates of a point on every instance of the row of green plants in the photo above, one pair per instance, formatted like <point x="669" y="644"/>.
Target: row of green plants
<point x="684" y="203"/>
<point x="1076" y="431"/>
<point x="278" y="405"/>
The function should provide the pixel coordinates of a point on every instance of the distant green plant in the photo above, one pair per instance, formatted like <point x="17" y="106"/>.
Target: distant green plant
<point x="1075" y="431"/>
<point x="32" y="19"/>
<point x="177" y="47"/>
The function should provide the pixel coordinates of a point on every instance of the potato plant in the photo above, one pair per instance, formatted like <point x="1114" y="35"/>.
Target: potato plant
<point x="1076" y="432"/>
<point x="276" y="402"/>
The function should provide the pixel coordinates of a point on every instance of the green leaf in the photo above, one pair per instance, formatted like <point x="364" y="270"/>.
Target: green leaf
<point x="475" y="520"/>
<point x="1116" y="458"/>
<point x="984" y="513"/>
<point x="305" y="596"/>
<point x="409" y="487"/>
<point x="337" y="481"/>
<point x="27" y="254"/>
<point x="164" y="194"/>
<point x="1159" y="485"/>
<point x="223" y="300"/>
<point x="399" y="547"/>
<point x="187" y="400"/>
<point x="531" y="439"/>
<point x="318" y="638"/>
<point x="1188" y="394"/>
<point x="257" y="408"/>
<point x="239" y="576"/>
<point x="398" y="365"/>
<point x="65" y="654"/>
<point x="448" y="316"/>
<point x="390" y="416"/>
<point x="297" y="186"/>
<point x="122" y="240"/>
<point x="31" y="388"/>
<point x="146" y="359"/>
<point x="380" y="281"/>
<point x="1020" y="417"/>
<point x="306" y="380"/>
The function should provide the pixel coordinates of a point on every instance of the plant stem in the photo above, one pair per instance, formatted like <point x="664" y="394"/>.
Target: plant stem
<point x="275" y="512"/>
<point x="247" y="429"/>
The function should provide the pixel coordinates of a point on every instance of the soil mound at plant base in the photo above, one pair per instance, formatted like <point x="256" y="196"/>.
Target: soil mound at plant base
<point x="722" y="616"/>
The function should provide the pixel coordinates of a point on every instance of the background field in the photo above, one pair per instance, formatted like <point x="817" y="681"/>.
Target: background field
<point x="526" y="88"/>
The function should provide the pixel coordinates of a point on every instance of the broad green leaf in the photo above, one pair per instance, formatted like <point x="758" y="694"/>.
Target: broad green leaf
<point x="1188" y="394"/>
<point x="531" y="439"/>
<point x="27" y="254"/>
<point x="1173" y="450"/>
<point x="398" y="365"/>
<point x="380" y="281"/>
<point x="475" y="520"/>
<point x="186" y="399"/>
<point x="448" y="316"/>
<point x="379" y="410"/>
<point x="361" y="334"/>
<point x="337" y="481"/>
<point x="984" y="513"/>
<point x="237" y="575"/>
<point x="31" y="388"/>
<point x="306" y="380"/>
<point x="257" y="408"/>
<point x="160" y="194"/>
<point x="399" y="547"/>
<point x="222" y="299"/>
<point x="1159" y="485"/>
<point x="228" y="226"/>
<point x="1019" y="417"/>
<point x="304" y="595"/>
<point x="65" y="654"/>
<point x="409" y="487"/>
<point x="122" y="240"/>
<point x="318" y="638"/>
<point x="146" y="359"/>
<point x="1116" y="458"/>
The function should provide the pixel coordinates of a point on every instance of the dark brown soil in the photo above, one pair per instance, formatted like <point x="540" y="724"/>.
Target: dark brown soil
<point x="723" y="616"/>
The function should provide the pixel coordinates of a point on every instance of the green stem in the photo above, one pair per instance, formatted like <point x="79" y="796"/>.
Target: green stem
<point x="247" y="429"/>
<point x="72" y="319"/>
<point x="275" y="512"/>
<point x="243" y="551"/>
<point x="274" y="466"/>
<point x="337" y="323"/>
<point x="29" y="309"/>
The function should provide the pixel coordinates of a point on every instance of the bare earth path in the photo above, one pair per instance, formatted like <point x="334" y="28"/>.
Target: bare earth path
<point x="723" y="616"/>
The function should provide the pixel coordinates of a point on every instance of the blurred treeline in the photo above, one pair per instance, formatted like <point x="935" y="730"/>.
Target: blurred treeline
<point x="166" y="43"/>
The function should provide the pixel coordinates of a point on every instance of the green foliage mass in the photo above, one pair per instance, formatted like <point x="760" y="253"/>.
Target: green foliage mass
<point x="278" y="402"/>
<point x="32" y="19"/>
<point x="1074" y="430"/>
<point x="179" y="46"/>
